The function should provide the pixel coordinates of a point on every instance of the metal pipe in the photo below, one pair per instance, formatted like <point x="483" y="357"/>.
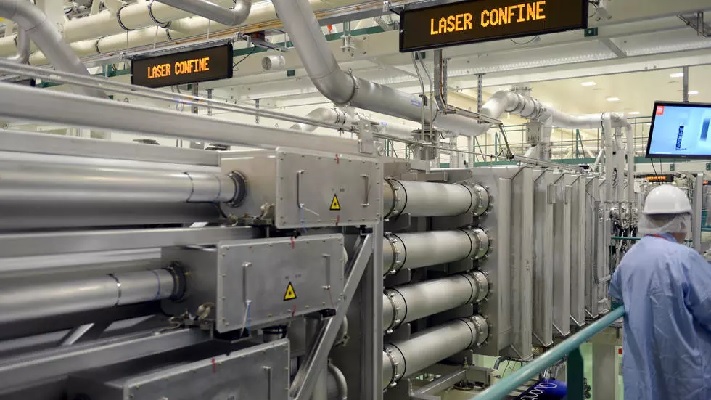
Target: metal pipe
<point x="407" y="357"/>
<point x="45" y="34"/>
<point x="23" y="47"/>
<point x="44" y="300"/>
<point x="425" y="249"/>
<point x="323" y="114"/>
<point x="408" y="303"/>
<point x="32" y="104"/>
<point x="338" y="86"/>
<point x="214" y="12"/>
<point x="337" y="384"/>
<point x="57" y="184"/>
<point x="501" y="389"/>
<point x="428" y="199"/>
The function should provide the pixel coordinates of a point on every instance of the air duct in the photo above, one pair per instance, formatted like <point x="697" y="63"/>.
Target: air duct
<point x="430" y="199"/>
<point x="214" y="12"/>
<point x="46" y="36"/>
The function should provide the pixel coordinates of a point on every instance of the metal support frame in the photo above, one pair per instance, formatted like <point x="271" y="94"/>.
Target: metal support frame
<point x="35" y="244"/>
<point x="44" y="365"/>
<point x="697" y="211"/>
<point x="429" y="391"/>
<point x="303" y="385"/>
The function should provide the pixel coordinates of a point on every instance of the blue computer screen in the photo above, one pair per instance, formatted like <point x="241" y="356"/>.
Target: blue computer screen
<point x="680" y="130"/>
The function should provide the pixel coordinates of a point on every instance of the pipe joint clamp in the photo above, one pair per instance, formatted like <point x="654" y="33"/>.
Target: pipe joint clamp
<point x="240" y="189"/>
<point x="480" y="199"/>
<point x="398" y="363"/>
<point x="481" y="327"/>
<point x="480" y="243"/>
<point x="399" y="253"/>
<point x="480" y="284"/>
<point x="399" y="198"/>
<point x="399" y="305"/>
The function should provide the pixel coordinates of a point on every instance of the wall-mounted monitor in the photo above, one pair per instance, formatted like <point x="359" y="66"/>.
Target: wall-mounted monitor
<point x="680" y="130"/>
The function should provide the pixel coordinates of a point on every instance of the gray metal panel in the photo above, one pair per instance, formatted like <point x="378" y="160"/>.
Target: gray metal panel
<point x="258" y="372"/>
<point x="496" y="308"/>
<point x="309" y="183"/>
<point x="257" y="274"/>
<point x="543" y="260"/>
<point x="561" y="261"/>
<point x="521" y="259"/>
<point x="592" y="228"/>
<point x="577" y="252"/>
<point x="604" y="230"/>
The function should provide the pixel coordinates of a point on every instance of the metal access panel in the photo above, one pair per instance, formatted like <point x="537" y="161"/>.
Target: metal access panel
<point x="496" y="308"/>
<point x="592" y="227"/>
<point x="578" y="216"/>
<point x="261" y="282"/>
<point x="561" y="260"/>
<point x="258" y="372"/>
<point x="543" y="202"/>
<point x="521" y="259"/>
<point x="308" y="189"/>
<point x="602" y="246"/>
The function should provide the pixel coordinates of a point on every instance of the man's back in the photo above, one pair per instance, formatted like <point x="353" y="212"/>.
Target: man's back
<point x="666" y="291"/>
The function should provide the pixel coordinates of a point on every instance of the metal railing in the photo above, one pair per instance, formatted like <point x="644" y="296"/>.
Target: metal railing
<point x="570" y="346"/>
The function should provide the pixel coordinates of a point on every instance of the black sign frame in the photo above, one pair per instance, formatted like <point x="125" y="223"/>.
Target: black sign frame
<point x="407" y="13"/>
<point x="222" y="68"/>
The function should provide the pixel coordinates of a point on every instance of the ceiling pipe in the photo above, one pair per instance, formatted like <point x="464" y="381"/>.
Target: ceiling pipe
<point x="214" y="12"/>
<point x="22" y="39"/>
<point x="327" y="115"/>
<point x="47" y="37"/>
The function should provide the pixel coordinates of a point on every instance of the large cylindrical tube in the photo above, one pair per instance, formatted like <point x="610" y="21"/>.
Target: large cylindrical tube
<point x="43" y="300"/>
<point x="429" y="199"/>
<point x="407" y="357"/>
<point x="408" y="303"/>
<point x="424" y="249"/>
<point x="69" y="184"/>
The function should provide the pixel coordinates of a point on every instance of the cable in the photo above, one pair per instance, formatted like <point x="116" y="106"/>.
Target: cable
<point x="254" y="50"/>
<point x="533" y="39"/>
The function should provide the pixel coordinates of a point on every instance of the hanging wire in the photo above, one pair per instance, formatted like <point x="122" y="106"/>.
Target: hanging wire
<point x="422" y="96"/>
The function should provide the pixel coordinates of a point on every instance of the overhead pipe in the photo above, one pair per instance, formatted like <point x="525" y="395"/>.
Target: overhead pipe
<point x="327" y="115"/>
<point x="214" y="12"/>
<point x="49" y="299"/>
<point x="408" y="303"/>
<point x="430" y="199"/>
<point x="22" y="39"/>
<point x="24" y="183"/>
<point x="424" y="249"/>
<point x="405" y="358"/>
<point x="45" y="34"/>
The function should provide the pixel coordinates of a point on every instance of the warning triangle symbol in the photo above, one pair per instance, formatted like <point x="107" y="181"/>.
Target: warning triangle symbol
<point x="290" y="293"/>
<point x="335" y="204"/>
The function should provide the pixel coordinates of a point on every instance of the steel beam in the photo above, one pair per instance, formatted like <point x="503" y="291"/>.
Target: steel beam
<point x="303" y="385"/>
<point x="35" y="244"/>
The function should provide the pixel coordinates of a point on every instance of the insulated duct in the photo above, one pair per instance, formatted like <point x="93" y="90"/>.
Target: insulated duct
<point x="428" y="199"/>
<point x="408" y="303"/>
<point x="46" y="36"/>
<point x="425" y="249"/>
<point x="323" y="114"/>
<point x="407" y="357"/>
<point x="214" y="12"/>
<point x="43" y="300"/>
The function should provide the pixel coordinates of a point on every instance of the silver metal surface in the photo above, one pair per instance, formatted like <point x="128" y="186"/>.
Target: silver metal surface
<point x="698" y="208"/>
<point x="53" y="243"/>
<point x="408" y="303"/>
<point x="561" y="259"/>
<point x="545" y="246"/>
<point x="303" y="384"/>
<point x="263" y="281"/>
<point x="309" y="189"/>
<point x="23" y="103"/>
<point x="36" y="367"/>
<point x="57" y="184"/>
<point x="47" y="144"/>
<point x="424" y="249"/>
<point x="405" y="358"/>
<point x="206" y="8"/>
<point x="522" y="263"/>
<point x="427" y="199"/>
<point x="257" y="372"/>
<point x="578" y="245"/>
<point x="43" y="300"/>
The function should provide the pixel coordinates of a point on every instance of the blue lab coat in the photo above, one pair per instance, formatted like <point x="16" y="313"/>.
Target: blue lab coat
<point x="666" y="291"/>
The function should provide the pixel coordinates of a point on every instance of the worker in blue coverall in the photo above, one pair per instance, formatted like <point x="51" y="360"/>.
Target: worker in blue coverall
<point x="665" y="288"/>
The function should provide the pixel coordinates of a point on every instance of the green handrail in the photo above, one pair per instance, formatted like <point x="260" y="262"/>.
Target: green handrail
<point x="501" y="389"/>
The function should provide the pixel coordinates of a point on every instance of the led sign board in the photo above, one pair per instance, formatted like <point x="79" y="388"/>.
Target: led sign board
<point x="666" y="178"/>
<point x="473" y="21"/>
<point x="200" y="65"/>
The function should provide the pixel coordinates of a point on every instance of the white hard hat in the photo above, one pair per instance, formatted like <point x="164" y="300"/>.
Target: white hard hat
<point x="667" y="199"/>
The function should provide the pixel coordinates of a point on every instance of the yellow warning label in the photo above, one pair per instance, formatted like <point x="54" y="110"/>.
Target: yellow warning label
<point x="335" y="204"/>
<point x="290" y="293"/>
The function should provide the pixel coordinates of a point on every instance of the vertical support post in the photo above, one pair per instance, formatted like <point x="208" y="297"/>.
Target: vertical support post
<point x="256" y="116"/>
<point x="479" y="105"/>
<point x="209" y="97"/>
<point x="576" y="375"/>
<point x="697" y="208"/>
<point x="685" y="84"/>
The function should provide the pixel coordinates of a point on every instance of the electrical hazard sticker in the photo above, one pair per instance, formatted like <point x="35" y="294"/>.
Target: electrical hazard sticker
<point x="290" y="293"/>
<point x="335" y="204"/>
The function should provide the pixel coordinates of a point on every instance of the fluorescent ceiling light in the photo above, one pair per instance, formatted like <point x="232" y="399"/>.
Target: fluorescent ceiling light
<point x="677" y="75"/>
<point x="613" y="99"/>
<point x="633" y="113"/>
<point x="588" y="84"/>
<point x="693" y="92"/>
